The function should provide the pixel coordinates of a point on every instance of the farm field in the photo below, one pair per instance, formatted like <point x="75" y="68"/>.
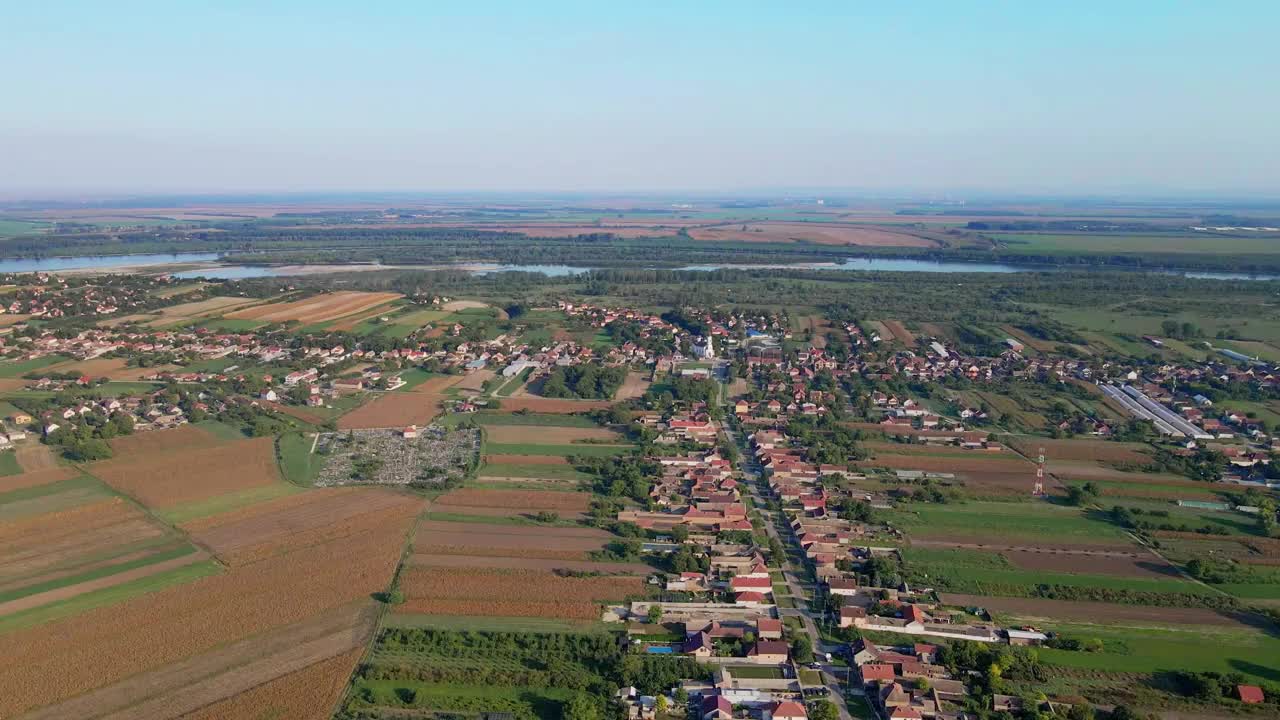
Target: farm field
<point x="319" y="308"/>
<point x="59" y="657"/>
<point x="393" y="409"/>
<point x="183" y="312"/>
<point x="1173" y="242"/>
<point x="511" y="593"/>
<point x="1039" y="610"/>
<point x="552" y="405"/>
<point x="988" y="572"/>
<point x="1034" y="524"/>
<point x="167" y="480"/>
<point x="814" y="232"/>
<point x="73" y="538"/>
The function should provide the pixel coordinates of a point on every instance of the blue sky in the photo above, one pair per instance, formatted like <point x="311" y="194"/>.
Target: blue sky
<point x="1080" y="97"/>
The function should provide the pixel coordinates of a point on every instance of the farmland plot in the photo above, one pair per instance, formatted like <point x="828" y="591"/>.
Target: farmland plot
<point x="316" y="309"/>
<point x="55" y="661"/>
<point x="393" y="410"/>
<point x="170" y="479"/>
<point x="511" y="593"/>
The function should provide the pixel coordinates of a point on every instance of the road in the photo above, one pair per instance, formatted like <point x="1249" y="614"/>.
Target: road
<point x="832" y="675"/>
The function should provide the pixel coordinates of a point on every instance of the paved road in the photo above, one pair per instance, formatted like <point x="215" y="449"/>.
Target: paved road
<point x="832" y="675"/>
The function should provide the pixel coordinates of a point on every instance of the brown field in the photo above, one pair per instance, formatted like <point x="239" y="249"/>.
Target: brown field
<point x="815" y="232"/>
<point x="60" y="659"/>
<point x="1055" y="561"/>
<point x="456" y="305"/>
<point x="1082" y="449"/>
<point x="527" y="459"/>
<point x="633" y="387"/>
<point x="524" y="563"/>
<point x="183" y="438"/>
<point x="905" y="336"/>
<point x="437" y="385"/>
<point x="296" y="411"/>
<point x="68" y="592"/>
<point x="552" y="405"/>
<point x="510" y="593"/>
<point x="44" y="543"/>
<point x="228" y="677"/>
<point x="1093" y="612"/>
<point x="393" y="409"/>
<point x="169" y="479"/>
<point x="435" y="537"/>
<point x="8" y="319"/>
<point x="516" y="499"/>
<point x="475" y="379"/>
<point x="35" y="457"/>
<point x="319" y="308"/>
<point x="32" y="479"/>
<point x="301" y="520"/>
<point x="185" y="311"/>
<point x="112" y="368"/>
<point x="549" y="435"/>
<point x="308" y="694"/>
<point x="1105" y="547"/>
<point x="349" y="322"/>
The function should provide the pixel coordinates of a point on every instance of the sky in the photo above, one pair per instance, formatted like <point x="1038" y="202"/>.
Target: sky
<point x="1092" y="98"/>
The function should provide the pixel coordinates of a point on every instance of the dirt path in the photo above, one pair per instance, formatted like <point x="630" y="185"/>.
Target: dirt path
<point x="71" y="591"/>
<point x="633" y="387"/>
<point x="33" y="456"/>
<point x="172" y="691"/>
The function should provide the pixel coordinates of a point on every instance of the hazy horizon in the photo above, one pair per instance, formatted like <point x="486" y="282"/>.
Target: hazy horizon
<point x="1138" y="100"/>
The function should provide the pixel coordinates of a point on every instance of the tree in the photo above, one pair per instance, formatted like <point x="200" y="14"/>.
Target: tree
<point x="655" y="613"/>
<point x="88" y="450"/>
<point x="823" y="710"/>
<point x="802" y="649"/>
<point x="581" y="707"/>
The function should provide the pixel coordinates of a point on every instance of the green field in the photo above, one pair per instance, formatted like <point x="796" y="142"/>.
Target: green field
<point x="413" y="377"/>
<point x="979" y="573"/>
<point x="489" y="623"/>
<point x="1035" y="522"/>
<point x="1195" y="647"/>
<point x="10" y="369"/>
<point x="551" y="419"/>
<point x="181" y="550"/>
<point x="297" y="463"/>
<point x="20" y="227"/>
<point x="225" y="503"/>
<point x="549" y="472"/>
<point x="9" y="464"/>
<point x="587" y="449"/>
<point x="108" y="596"/>
<point x="1111" y="243"/>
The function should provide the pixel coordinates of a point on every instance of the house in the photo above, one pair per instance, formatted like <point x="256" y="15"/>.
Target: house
<point x="716" y="707"/>
<point x="872" y="672"/>
<point x="409" y="433"/>
<point x="850" y="614"/>
<point x="786" y="710"/>
<point x="905" y="712"/>
<point x="1250" y="694"/>
<point x="698" y="645"/>
<point x="769" y="651"/>
<point x="769" y="629"/>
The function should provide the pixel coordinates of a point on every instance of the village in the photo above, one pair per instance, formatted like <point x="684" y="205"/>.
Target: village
<point x="810" y="507"/>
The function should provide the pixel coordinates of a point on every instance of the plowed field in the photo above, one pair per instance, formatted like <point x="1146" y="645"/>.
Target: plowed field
<point x="393" y="409"/>
<point x="169" y="479"/>
<point x="320" y="308"/>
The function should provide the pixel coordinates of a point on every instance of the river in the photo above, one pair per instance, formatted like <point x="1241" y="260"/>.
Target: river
<point x="240" y="272"/>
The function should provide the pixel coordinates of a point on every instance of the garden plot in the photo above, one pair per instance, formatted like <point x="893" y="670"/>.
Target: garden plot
<point x="385" y="457"/>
